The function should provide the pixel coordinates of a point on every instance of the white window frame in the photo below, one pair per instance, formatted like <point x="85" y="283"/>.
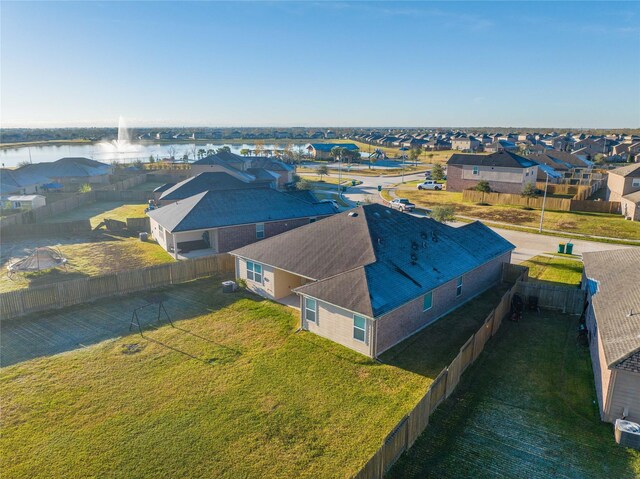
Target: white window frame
<point x="260" y="230"/>
<point x="635" y="182"/>
<point x="430" y="293"/>
<point x="357" y="328"/>
<point x="252" y="274"/>
<point x="160" y="228"/>
<point x="314" y="310"/>
<point x="459" y="283"/>
<point x="476" y="171"/>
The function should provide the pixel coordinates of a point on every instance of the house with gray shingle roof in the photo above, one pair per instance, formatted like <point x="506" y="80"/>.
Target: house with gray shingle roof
<point x="612" y="282"/>
<point x="218" y="220"/>
<point x="623" y="185"/>
<point x="371" y="277"/>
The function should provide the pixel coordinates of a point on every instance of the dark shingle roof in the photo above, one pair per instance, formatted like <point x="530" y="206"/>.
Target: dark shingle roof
<point x="505" y="159"/>
<point x="221" y="158"/>
<point x="204" y="182"/>
<point x="214" y="209"/>
<point x="617" y="273"/>
<point x="379" y="259"/>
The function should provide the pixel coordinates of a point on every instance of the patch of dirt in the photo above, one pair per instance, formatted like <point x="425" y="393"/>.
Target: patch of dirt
<point x="132" y="348"/>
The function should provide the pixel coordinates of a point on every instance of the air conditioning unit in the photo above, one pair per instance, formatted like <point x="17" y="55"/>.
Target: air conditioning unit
<point x="627" y="433"/>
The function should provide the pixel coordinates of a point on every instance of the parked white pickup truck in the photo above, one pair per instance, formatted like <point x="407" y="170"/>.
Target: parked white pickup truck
<point x="402" y="204"/>
<point x="430" y="185"/>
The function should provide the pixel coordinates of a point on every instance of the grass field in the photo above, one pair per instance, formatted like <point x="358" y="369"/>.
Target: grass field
<point x="96" y="212"/>
<point x="328" y="179"/>
<point x="90" y="254"/>
<point x="597" y="224"/>
<point x="232" y="391"/>
<point x="556" y="269"/>
<point x="526" y="408"/>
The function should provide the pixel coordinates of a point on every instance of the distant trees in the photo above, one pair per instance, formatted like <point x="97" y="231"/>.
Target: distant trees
<point x="245" y="152"/>
<point x="224" y="149"/>
<point x="151" y="159"/>
<point x="172" y="152"/>
<point x="322" y="170"/>
<point x="414" y="155"/>
<point x="483" y="186"/>
<point x="437" y="173"/>
<point x="258" y="149"/>
<point x="211" y="151"/>
<point x="201" y="153"/>
<point x="443" y="213"/>
<point x="23" y="163"/>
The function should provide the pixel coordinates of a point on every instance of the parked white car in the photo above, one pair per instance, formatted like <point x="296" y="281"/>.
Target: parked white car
<point x="430" y="185"/>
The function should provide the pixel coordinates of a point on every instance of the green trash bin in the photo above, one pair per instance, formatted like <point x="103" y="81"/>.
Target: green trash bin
<point x="379" y="187"/>
<point x="353" y="182"/>
<point x="569" y="249"/>
<point x="561" y="248"/>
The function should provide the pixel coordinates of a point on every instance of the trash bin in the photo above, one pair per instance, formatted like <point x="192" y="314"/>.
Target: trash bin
<point x="353" y="182"/>
<point x="343" y="189"/>
<point x="561" y="248"/>
<point x="569" y="249"/>
<point x="379" y="187"/>
<point x="143" y="236"/>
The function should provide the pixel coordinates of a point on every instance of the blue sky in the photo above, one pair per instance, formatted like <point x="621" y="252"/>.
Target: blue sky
<point x="556" y="64"/>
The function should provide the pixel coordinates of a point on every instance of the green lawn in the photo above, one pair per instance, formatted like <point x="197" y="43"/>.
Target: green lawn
<point x="96" y="212"/>
<point x="231" y="392"/>
<point x="556" y="269"/>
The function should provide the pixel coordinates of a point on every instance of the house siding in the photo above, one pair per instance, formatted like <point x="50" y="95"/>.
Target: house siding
<point x="625" y="393"/>
<point x="401" y="323"/>
<point x="501" y="180"/>
<point x="336" y="324"/>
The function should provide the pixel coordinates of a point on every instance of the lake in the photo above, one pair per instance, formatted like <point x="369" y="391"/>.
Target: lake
<point x="108" y="152"/>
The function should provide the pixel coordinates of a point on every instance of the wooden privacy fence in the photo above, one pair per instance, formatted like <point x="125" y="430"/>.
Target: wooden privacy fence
<point x="45" y="229"/>
<point x="77" y="291"/>
<point x="562" y="298"/>
<point x="411" y="426"/>
<point x="124" y="195"/>
<point x="139" y="224"/>
<point x="577" y="203"/>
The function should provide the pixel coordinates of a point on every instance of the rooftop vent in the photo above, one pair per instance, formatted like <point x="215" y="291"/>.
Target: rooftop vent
<point x="353" y="214"/>
<point x="376" y="214"/>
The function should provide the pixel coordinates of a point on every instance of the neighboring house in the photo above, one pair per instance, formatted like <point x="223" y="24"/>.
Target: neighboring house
<point x="500" y="145"/>
<point x="248" y="169"/>
<point x="623" y="185"/>
<point x="625" y="151"/>
<point x="612" y="282"/>
<point x="437" y="145"/>
<point x="27" y="202"/>
<point x="465" y="144"/>
<point x="506" y="172"/>
<point x="371" y="277"/>
<point x="221" y="220"/>
<point x="322" y="151"/>
<point x="211" y="181"/>
<point x="572" y="169"/>
<point x="68" y="171"/>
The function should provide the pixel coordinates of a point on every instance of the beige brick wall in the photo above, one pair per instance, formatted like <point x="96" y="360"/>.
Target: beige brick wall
<point x="408" y="319"/>
<point x="336" y="324"/>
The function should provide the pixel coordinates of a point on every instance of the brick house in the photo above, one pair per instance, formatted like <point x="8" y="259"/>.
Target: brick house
<point x="371" y="277"/>
<point x="218" y="221"/>
<point x="505" y="172"/>
<point x="612" y="282"/>
<point x="623" y="185"/>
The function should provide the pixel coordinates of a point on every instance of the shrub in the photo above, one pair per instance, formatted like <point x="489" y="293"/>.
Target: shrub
<point x="303" y="185"/>
<point x="85" y="188"/>
<point x="437" y="173"/>
<point x="242" y="283"/>
<point x="483" y="186"/>
<point x="529" y="191"/>
<point x="443" y="213"/>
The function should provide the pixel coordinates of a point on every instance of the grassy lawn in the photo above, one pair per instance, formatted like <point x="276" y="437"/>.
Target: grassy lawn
<point x="524" y="409"/>
<point x="328" y="179"/>
<point x="597" y="224"/>
<point x="88" y="255"/>
<point x="556" y="269"/>
<point x="96" y="212"/>
<point x="230" y="392"/>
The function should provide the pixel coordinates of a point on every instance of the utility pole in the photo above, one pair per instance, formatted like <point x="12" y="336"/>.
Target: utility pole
<point x="544" y="200"/>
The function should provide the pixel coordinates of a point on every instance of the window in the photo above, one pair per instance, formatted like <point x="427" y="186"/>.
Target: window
<point x="160" y="228"/>
<point x="635" y="182"/>
<point x="310" y="309"/>
<point x="476" y="170"/>
<point x="459" y="286"/>
<point x="254" y="272"/>
<point x="259" y="230"/>
<point x="427" y="301"/>
<point x="359" y="328"/>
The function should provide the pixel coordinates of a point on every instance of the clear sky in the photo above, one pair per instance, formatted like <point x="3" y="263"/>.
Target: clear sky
<point x="555" y="64"/>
